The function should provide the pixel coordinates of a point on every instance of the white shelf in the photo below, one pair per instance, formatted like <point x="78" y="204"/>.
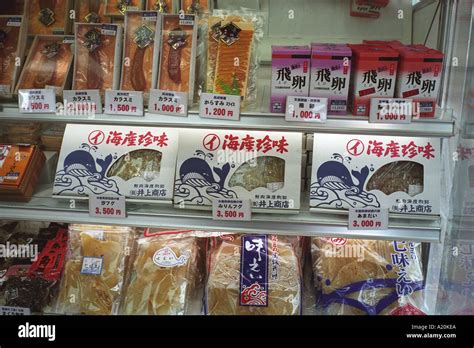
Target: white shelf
<point x="43" y="207"/>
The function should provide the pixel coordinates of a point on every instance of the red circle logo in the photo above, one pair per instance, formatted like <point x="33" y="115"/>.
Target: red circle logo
<point x="211" y="142"/>
<point x="338" y="241"/>
<point x="355" y="147"/>
<point x="96" y="137"/>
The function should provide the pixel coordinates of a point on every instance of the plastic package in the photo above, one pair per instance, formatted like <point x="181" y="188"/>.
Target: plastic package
<point x="117" y="8"/>
<point x="265" y="171"/>
<point x="162" y="6"/>
<point x="142" y="34"/>
<point x="94" y="271"/>
<point x="195" y="7"/>
<point x="140" y="163"/>
<point x="368" y="277"/>
<point x="97" y="62"/>
<point x="400" y="176"/>
<point x="49" y="64"/>
<point x="242" y="285"/>
<point x="178" y="51"/>
<point x="48" y="17"/>
<point x="164" y="274"/>
<point x="90" y="11"/>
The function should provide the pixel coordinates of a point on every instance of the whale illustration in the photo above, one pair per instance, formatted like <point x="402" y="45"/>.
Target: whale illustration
<point x="334" y="175"/>
<point x="80" y="163"/>
<point x="197" y="173"/>
<point x="166" y="257"/>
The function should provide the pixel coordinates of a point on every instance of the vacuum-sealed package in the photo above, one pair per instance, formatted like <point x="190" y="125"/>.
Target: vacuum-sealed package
<point x="98" y="52"/>
<point x="162" y="6"/>
<point x="141" y="51"/>
<point x="232" y="54"/>
<point x="91" y="11"/>
<point x="164" y="274"/>
<point x="368" y="277"/>
<point x="195" y="7"/>
<point x="49" y="64"/>
<point x="178" y="52"/>
<point x="95" y="269"/>
<point x="118" y="8"/>
<point x="48" y="17"/>
<point x="254" y="274"/>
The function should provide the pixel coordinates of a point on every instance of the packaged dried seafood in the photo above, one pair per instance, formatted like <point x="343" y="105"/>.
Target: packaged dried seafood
<point x="364" y="277"/>
<point x="95" y="269"/>
<point x="400" y="176"/>
<point x="254" y="274"/>
<point x="91" y="11"/>
<point x="162" y="6"/>
<point x="48" y="17"/>
<point x="265" y="171"/>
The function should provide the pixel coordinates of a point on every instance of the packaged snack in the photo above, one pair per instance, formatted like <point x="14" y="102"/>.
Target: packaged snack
<point x="398" y="173"/>
<point x="162" y="6"/>
<point x="195" y="7"/>
<point x="264" y="167"/>
<point x="178" y="52"/>
<point x="135" y="162"/>
<point x="49" y="64"/>
<point x="12" y="46"/>
<point x="419" y="77"/>
<point x="48" y="17"/>
<point x="254" y="274"/>
<point x="98" y="52"/>
<point x="117" y="8"/>
<point x="141" y="51"/>
<point x="330" y="75"/>
<point x="374" y="76"/>
<point x="290" y="74"/>
<point x="20" y="168"/>
<point x="94" y="271"/>
<point x="91" y="11"/>
<point x="164" y="274"/>
<point x="13" y="8"/>
<point x="357" y="277"/>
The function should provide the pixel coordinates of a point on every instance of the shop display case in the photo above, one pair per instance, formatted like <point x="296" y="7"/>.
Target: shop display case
<point x="299" y="135"/>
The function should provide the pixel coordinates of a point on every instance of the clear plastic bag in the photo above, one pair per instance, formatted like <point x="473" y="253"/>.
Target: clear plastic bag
<point x="365" y="277"/>
<point x="95" y="269"/>
<point x="233" y="284"/>
<point x="163" y="275"/>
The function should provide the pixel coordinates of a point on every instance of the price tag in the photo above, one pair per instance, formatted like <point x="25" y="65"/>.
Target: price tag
<point x="124" y="103"/>
<point x="79" y="103"/>
<point x="220" y="106"/>
<point x="232" y="209"/>
<point x="37" y="101"/>
<point x="168" y="103"/>
<point x="306" y="109"/>
<point x="107" y="207"/>
<point x="368" y="219"/>
<point x="391" y="110"/>
<point x="5" y="310"/>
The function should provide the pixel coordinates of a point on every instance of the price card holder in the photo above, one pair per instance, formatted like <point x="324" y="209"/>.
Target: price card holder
<point x="37" y="101"/>
<point x="368" y="219"/>
<point x="82" y="103"/>
<point x="168" y="103"/>
<point x="232" y="209"/>
<point x="220" y="106"/>
<point x="124" y="103"/>
<point x="306" y="109"/>
<point x="107" y="207"/>
<point x="391" y="110"/>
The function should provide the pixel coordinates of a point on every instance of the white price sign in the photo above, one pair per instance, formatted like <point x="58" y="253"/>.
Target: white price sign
<point x="85" y="102"/>
<point x="306" y="109"/>
<point x="368" y="219"/>
<point x="41" y="101"/>
<point x="220" y="106"/>
<point x="124" y="103"/>
<point x="391" y="110"/>
<point x="168" y="103"/>
<point x="107" y="206"/>
<point x="5" y="310"/>
<point x="232" y="209"/>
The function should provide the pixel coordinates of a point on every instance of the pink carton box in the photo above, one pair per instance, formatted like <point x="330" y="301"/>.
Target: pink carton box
<point x="290" y="74"/>
<point x="330" y="75"/>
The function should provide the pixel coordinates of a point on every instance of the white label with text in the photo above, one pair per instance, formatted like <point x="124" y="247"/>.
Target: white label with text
<point x="220" y="106"/>
<point x="124" y="103"/>
<point x="37" y="101"/>
<point x="306" y="109"/>
<point x="368" y="219"/>
<point x="107" y="206"/>
<point x="232" y="209"/>
<point x="168" y="103"/>
<point x="391" y="110"/>
<point x="85" y="102"/>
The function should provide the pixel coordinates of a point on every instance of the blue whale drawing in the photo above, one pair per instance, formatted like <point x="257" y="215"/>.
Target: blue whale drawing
<point x="80" y="163"/>
<point x="197" y="173"/>
<point x="335" y="175"/>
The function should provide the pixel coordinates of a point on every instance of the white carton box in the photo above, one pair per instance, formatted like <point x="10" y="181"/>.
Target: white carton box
<point x="262" y="166"/>
<point x="135" y="162"/>
<point x="401" y="174"/>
